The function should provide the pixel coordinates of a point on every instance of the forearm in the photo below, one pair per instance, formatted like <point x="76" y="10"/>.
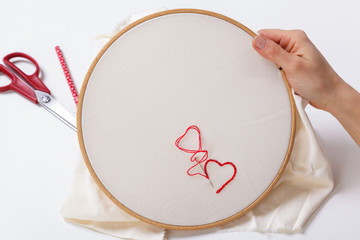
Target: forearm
<point x="311" y="76"/>
<point x="346" y="109"/>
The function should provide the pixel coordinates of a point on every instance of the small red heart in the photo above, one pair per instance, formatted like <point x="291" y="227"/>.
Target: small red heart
<point x="194" y="151"/>
<point x="220" y="164"/>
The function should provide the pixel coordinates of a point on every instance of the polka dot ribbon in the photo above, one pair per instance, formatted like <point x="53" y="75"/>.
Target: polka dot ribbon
<point x="67" y="74"/>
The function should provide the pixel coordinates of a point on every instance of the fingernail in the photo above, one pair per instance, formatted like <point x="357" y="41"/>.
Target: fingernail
<point x="259" y="41"/>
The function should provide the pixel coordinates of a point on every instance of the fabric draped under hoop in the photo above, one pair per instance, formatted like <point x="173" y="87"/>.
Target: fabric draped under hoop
<point x="241" y="120"/>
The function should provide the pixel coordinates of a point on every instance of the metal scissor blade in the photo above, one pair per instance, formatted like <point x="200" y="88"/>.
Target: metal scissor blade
<point x="50" y="104"/>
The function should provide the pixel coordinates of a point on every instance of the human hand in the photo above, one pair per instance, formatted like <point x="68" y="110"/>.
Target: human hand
<point x="311" y="76"/>
<point x="307" y="71"/>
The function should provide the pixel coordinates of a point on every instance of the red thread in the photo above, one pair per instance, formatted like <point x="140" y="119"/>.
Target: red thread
<point x="203" y="159"/>
<point x="221" y="164"/>
<point x="67" y="74"/>
<point x="193" y="151"/>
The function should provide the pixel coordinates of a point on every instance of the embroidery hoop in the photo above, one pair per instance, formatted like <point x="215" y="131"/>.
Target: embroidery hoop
<point x="92" y="170"/>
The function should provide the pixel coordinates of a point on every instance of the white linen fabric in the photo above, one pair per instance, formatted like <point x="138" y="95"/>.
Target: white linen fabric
<point x="159" y="78"/>
<point x="304" y="185"/>
<point x="306" y="182"/>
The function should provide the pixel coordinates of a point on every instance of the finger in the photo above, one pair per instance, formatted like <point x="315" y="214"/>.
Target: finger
<point x="285" y="38"/>
<point x="272" y="51"/>
<point x="275" y="35"/>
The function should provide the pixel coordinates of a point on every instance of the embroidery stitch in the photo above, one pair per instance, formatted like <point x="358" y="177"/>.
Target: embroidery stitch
<point x="203" y="159"/>
<point x="193" y="151"/>
<point x="221" y="164"/>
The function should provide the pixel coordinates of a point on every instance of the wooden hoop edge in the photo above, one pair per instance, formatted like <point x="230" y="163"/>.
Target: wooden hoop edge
<point x="82" y="145"/>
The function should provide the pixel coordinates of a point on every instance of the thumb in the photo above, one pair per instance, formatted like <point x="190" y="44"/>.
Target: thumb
<point x="272" y="51"/>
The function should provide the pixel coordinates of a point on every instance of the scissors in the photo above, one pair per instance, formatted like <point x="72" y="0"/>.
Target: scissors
<point x="31" y="87"/>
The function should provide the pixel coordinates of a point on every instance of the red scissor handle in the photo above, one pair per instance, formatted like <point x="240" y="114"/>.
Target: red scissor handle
<point x="33" y="80"/>
<point x="17" y="85"/>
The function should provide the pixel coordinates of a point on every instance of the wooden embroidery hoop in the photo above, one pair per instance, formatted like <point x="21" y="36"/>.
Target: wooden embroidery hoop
<point x="85" y="155"/>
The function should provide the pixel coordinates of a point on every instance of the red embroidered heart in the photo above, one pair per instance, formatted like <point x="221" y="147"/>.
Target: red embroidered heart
<point x="195" y="152"/>
<point x="204" y="157"/>
<point x="220" y="164"/>
<point x="177" y="142"/>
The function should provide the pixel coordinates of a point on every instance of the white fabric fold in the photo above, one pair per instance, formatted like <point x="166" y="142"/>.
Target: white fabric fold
<point x="306" y="182"/>
<point x="88" y="206"/>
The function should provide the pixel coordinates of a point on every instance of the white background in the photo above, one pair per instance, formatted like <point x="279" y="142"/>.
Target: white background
<point x="38" y="153"/>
